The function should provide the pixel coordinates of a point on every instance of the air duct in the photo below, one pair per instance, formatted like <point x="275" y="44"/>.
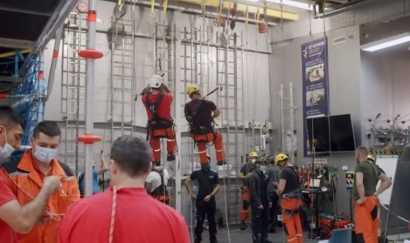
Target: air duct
<point x="340" y="8"/>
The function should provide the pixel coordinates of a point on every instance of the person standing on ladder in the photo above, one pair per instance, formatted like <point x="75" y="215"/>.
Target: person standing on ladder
<point x="243" y="175"/>
<point x="291" y="201"/>
<point x="157" y="99"/>
<point x="366" y="203"/>
<point x="200" y="114"/>
<point x="260" y="202"/>
<point x="208" y="187"/>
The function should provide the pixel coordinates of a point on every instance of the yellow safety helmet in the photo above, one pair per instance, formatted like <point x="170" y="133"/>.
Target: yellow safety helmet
<point x="253" y="154"/>
<point x="280" y="157"/>
<point x="370" y="157"/>
<point x="191" y="89"/>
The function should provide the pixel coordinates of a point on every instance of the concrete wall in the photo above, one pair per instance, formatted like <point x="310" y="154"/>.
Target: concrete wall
<point x="344" y="92"/>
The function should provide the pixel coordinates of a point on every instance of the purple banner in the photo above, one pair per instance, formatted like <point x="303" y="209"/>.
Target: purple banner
<point x="315" y="84"/>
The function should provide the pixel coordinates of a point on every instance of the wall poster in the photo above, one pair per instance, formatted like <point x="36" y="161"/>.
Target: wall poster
<point x="315" y="84"/>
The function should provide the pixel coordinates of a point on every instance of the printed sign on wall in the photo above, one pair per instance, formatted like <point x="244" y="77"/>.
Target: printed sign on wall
<point x="315" y="84"/>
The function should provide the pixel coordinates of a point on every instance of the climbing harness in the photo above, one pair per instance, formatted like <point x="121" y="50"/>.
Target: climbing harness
<point x="161" y="193"/>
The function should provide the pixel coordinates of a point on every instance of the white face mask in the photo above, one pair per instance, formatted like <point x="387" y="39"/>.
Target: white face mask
<point x="253" y="161"/>
<point x="6" y="152"/>
<point x="262" y="168"/>
<point x="45" y="155"/>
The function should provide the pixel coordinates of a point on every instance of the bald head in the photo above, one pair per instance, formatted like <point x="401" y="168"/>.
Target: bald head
<point x="361" y="154"/>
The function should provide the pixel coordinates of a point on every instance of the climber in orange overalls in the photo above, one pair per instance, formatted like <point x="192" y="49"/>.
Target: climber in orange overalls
<point x="200" y="114"/>
<point x="366" y="203"/>
<point x="289" y="191"/>
<point x="243" y="175"/>
<point x="157" y="99"/>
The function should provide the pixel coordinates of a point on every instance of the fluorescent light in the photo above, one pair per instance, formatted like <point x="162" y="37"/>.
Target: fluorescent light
<point x="292" y="4"/>
<point x="388" y="42"/>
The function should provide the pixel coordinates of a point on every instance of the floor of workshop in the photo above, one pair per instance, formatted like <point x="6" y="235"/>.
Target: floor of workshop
<point x="244" y="236"/>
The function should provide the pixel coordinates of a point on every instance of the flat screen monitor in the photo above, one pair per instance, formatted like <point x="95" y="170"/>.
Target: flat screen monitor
<point x="318" y="130"/>
<point x="341" y="133"/>
<point x="331" y="133"/>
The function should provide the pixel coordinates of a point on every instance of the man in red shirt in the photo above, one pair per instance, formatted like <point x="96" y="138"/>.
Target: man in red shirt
<point x="157" y="99"/>
<point x="200" y="114"/>
<point x="125" y="213"/>
<point x="13" y="216"/>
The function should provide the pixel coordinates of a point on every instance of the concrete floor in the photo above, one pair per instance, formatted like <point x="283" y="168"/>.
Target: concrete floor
<point x="239" y="236"/>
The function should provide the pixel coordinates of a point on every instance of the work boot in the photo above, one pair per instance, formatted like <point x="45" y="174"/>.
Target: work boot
<point x="272" y="230"/>
<point x="156" y="163"/>
<point x="220" y="163"/>
<point x="213" y="241"/>
<point x="243" y="225"/>
<point x="170" y="157"/>
<point x="266" y="241"/>
<point x="197" y="240"/>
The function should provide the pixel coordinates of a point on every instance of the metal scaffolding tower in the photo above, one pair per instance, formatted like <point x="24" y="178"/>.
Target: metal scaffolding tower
<point x="288" y="120"/>
<point x="122" y="78"/>
<point x="73" y="88"/>
<point x="229" y="73"/>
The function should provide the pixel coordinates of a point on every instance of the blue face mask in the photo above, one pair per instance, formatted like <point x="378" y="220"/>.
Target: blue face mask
<point x="262" y="168"/>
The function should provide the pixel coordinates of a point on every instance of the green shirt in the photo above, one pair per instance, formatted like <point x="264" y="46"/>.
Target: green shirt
<point x="370" y="174"/>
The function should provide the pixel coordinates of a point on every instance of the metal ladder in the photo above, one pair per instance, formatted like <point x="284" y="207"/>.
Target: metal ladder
<point x="229" y="72"/>
<point x="122" y="79"/>
<point x="288" y="120"/>
<point x="73" y="89"/>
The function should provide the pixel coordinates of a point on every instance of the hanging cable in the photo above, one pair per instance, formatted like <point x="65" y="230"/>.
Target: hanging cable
<point x="257" y="19"/>
<point x="165" y="6"/>
<point x="152" y="6"/>
<point x="246" y="17"/>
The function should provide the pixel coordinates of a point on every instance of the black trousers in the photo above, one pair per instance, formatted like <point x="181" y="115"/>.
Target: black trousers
<point x="208" y="209"/>
<point x="273" y="220"/>
<point x="260" y="222"/>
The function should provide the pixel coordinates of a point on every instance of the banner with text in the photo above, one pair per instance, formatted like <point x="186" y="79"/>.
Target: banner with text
<point x="315" y="84"/>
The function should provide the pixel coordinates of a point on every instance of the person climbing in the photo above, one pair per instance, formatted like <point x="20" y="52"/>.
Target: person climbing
<point x="96" y="184"/>
<point x="200" y="115"/>
<point x="260" y="201"/>
<point x="157" y="99"/>
<point x="208" y="184"/>
<point x="156" y="184"/>
<point x="365" y="196"/>
<point x="291" y="198"/>
<point x="243" y="175"/>
<point x="272" y="174"/>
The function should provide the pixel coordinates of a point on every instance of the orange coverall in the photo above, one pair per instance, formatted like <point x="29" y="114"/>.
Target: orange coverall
<point x="291" y="219"/>
<point x="218" y="143"/>
<point x="367" y="223"/>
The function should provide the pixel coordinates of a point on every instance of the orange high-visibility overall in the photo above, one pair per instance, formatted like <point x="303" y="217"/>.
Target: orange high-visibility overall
<point x="245" y="203"/>
<point x="367" y="223"/>
<point x="291" y="219"/>
<point x="155" y="141"/>
<point x="215" y="137"/>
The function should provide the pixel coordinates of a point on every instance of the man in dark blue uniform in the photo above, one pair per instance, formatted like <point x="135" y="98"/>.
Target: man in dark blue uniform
<point x="208" y="187"/>
<point x="260" y="202"/>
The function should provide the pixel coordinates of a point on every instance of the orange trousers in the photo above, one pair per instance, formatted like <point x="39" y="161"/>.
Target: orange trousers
<point x="367" y="223"/>
<point x="208" y="138"/>
<point x="291" y="219"/>
<point x="245" y="203"/>
<point x="155" y="142"/>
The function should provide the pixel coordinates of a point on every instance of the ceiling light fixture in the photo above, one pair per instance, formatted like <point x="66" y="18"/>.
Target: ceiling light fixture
<point x="387" y="42"/>
<point x="293" y="4"/>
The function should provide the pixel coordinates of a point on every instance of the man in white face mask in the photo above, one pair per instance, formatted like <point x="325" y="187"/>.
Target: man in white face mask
<point x="33" y="166"/>
<point x="11" y="131"/>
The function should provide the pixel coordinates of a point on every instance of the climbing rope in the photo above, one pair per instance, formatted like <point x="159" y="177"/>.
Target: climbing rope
<point x="226" y="207"/>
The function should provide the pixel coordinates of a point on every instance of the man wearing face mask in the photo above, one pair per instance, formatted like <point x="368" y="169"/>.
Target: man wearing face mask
<point x="208" y="184"/>
<point x="260" y="202"/>
<point x="11" y="131"/>
<point x="25" y="177"/>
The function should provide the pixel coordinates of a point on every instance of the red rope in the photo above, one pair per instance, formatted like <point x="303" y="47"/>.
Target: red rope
<point x="113" y="211"/>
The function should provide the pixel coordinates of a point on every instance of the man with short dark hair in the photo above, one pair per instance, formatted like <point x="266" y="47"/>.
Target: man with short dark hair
<point x="26" y="175"/>
<point x="273" y="174"/>
<point x="13" y="216"/>
<point x="365" y="195"/>
<point x="208" y="186"/>
<point x="125" y="213"/>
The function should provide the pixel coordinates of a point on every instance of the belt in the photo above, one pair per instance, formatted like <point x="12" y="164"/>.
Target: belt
<point x="290" y="195"/>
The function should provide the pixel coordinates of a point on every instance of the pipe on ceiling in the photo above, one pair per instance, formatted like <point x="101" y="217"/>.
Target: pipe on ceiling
<point x="344" y="7"/>
<point x="242" y="8"/>
<point x="194" y="11"/>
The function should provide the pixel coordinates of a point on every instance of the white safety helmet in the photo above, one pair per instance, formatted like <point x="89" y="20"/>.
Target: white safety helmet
<point x="155" y="82"/>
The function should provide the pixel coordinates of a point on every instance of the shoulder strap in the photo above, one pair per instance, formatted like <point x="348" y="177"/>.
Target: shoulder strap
<point x="153" y="106"/>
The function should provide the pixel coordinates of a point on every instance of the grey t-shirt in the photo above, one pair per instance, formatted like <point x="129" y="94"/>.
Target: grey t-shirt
<point x="273" y="173"/>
